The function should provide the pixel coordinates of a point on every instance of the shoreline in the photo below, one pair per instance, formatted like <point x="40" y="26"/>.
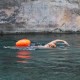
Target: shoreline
<point x="9" y="29"/>
<point x="33" y="33"/>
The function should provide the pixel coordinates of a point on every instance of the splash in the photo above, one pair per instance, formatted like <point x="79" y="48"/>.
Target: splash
<point x="23" y="48"/>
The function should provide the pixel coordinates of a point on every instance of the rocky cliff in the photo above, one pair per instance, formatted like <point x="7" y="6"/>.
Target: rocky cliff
<point x="40" y="16"/>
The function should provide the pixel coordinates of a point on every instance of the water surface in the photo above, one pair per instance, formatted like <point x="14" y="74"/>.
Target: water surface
<point x="51" y="64"/>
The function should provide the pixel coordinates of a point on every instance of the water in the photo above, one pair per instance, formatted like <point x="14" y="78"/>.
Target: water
<point x="43" y="64"/>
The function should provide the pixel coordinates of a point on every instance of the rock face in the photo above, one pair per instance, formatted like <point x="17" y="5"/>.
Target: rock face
<point x="41" y="16"/>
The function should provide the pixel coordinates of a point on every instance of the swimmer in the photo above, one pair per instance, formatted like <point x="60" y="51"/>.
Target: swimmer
<point x="52" y="44"/>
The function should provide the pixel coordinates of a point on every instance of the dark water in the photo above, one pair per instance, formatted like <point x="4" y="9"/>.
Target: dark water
<point x="51" y="64"/>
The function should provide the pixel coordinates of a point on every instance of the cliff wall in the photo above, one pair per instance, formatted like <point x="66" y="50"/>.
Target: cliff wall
<point x="40" y="16"/>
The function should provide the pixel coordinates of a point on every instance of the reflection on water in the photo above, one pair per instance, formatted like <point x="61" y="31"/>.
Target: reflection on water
<point x="23" y="56"/>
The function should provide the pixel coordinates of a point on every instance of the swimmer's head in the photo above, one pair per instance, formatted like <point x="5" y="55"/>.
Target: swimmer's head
<point x="52" y="45"/>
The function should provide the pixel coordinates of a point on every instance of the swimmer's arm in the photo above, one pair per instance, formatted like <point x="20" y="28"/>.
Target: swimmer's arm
<point x="55" y="41"/>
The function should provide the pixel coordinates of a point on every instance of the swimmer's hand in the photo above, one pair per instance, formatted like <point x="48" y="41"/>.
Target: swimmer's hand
<point x="66" y="43"/>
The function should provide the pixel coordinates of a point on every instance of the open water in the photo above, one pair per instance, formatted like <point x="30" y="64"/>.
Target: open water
<point x="40" y="64"/>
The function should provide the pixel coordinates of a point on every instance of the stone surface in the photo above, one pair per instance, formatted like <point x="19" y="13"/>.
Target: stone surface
<point x="41" y="16"/>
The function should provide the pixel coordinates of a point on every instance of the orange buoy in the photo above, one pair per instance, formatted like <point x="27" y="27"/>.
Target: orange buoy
<point x="23" y="43"/>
